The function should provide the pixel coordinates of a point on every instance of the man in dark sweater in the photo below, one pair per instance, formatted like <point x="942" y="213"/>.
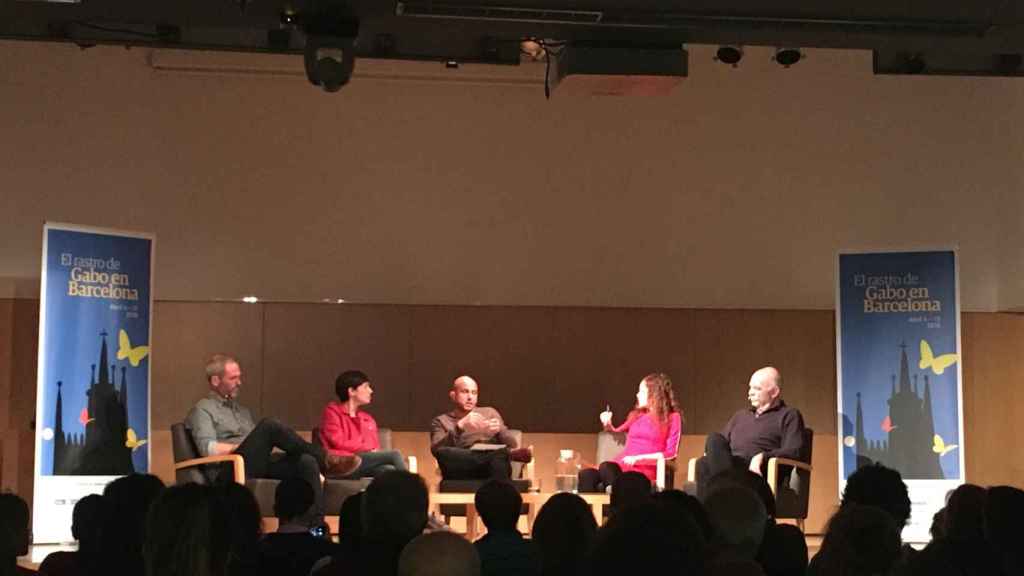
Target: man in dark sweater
<point x="767" y="429"/>
<point x="470" y="441"/>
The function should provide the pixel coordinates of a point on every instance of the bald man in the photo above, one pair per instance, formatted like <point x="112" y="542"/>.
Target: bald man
<point x="767" y="429"/>
<point x="454" y="434"/>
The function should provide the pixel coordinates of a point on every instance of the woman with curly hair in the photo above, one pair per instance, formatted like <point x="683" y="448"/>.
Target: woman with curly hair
<point x="652" y="432"/>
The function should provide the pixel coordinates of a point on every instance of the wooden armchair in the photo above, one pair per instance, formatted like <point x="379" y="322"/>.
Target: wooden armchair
<point x="189" y="466"/>
<point x="789" y="480"/>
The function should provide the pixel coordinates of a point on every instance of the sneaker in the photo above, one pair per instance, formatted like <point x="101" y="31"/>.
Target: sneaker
<point x="338" y="466"/>
<point x="521" y="455"/>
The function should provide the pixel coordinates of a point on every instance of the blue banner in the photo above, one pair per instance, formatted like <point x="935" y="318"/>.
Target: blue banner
<point x="899" y="373"/>
<point x="92" y="400"/>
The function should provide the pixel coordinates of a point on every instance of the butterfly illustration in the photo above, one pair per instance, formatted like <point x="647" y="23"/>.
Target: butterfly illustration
<point x="940" y="447"/>
<point x="125" y="350"/>
<point x="939" y="363"/>
<point x="132" y="441"/>
<point x="887" y="425"/>
<point x="84" y="417"/>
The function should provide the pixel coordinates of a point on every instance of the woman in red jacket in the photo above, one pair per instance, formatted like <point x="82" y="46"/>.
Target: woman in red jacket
<point x="347" y="430"/>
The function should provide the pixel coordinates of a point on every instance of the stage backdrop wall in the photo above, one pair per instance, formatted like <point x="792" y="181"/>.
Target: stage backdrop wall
<point x="550" y="370"/>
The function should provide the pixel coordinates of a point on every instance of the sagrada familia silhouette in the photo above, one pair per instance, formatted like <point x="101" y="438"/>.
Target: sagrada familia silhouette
<point x="101" y="451"/>
<point x="911" y="428"/>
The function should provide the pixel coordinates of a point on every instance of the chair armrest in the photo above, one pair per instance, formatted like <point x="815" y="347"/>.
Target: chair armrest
<point x="529" y="469"/>
<point x="236" y="460"/>
<point x="773" y="469"/>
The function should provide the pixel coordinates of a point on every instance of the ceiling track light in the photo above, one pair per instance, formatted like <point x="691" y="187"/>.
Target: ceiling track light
<point x="786" y="57"/>
<point x="730" y="55"/>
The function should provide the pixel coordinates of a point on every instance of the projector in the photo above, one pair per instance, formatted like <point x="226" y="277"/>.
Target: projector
<point x="593" y="70"/>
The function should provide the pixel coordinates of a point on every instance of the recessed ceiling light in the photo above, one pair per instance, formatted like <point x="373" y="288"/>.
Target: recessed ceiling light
<point x="250" y="299"/>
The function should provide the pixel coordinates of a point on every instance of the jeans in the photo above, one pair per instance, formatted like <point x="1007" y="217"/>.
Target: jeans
<point x="377" y="462"/>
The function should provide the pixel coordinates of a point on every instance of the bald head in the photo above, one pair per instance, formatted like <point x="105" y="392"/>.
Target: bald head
<point x="439" y="554"/>
<point x="765" y="388"/>
<point x="464" y="393"/>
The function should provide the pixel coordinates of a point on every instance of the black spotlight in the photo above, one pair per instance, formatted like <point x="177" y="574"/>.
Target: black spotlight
<point x="786" y="57"/>
<point x="329" y="61"/>
<point x="730" y="55"/>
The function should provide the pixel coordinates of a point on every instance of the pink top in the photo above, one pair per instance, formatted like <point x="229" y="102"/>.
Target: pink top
<point x="645" y="436"/>
<point x="346" y="435"/>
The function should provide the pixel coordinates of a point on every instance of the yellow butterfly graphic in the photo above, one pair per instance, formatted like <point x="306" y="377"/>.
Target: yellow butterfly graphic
<point x="940" y="447"/>
<point x="939" y="363"/>
<point x="125" y="350"/>
<point x="133" y="442"/>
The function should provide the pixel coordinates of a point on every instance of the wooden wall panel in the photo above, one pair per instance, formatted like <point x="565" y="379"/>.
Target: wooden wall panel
<point x="8" y="468"/>
<point x="993" y="345"/>
<point x="185" y="335"/>
<point x="732" y="344"/>
<point x="607" y="352"/>
<point x="6" y="358"/>
<point x="512" y="353"/>
<point x="308" y="345"/>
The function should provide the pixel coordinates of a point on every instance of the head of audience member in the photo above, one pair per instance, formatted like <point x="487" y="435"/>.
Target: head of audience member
<point x="938" y="527"/>
<point x="293" y="503"/>
<point x="647" y="538"/>
<point x="350" y="521"/>
<point x="765" y="388"/>
<point x="859" y="541"/>
<point x="187" y="533"/>
<point x="224" y="375"/>
<point x="739" y="520"/>
<point x="394" y="512"/>
<point x="439" y="554"/>
<point x="1004" y="516"/>
<point x="630" y="489"/>
<point x="687" y="504"/>
<point x="749" y="480"/>
<point x="15" y="535"/>
<point x="563" y="533"/>
<point x="876" y="485"/>
<point x="964" y="517"/>
<point x="354" y="387"/>
<point x="245" y="527"/>
<point x="656" y="395"/>
<point x="499" y="505"/>
<point x="126" y="502"/>
<point x="464" y="394"/>
<point x="86" y="519"/>
<point x="783" y="551"/>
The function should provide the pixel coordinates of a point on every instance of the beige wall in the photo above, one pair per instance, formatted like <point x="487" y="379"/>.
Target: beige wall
<point x="549" y="370"/>
<point x="734" y="192"/>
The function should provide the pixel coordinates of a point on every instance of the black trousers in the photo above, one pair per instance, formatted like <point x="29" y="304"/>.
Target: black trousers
<point x="466" y="464"/>
<point x="718" y="458"/>
<point x="300" y="459"/>
<point x="591" y="480"/>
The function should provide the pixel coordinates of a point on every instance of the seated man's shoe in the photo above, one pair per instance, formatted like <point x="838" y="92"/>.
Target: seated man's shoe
<point x="521" y="455"/>
<point x="339" y="466"/>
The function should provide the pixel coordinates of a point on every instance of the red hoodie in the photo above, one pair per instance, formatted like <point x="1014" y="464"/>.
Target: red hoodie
<point x="344" y="434"/>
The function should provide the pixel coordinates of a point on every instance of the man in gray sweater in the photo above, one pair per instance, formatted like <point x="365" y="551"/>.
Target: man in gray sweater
<point x="472" y="442"/>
